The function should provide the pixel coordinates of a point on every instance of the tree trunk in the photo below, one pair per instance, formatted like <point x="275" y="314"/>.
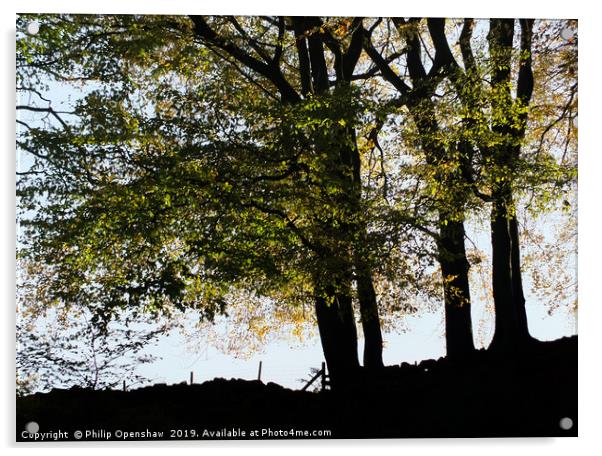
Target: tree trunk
<point x="450" y="246"/>
<point x="338" y="334"/>
<point x="454" y="268"/>
<point x="373" y="339"/>
<point x="511" y="330"/>
<point x="517" y="281"/>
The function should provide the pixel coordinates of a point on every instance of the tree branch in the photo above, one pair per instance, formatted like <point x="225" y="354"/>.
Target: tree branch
<point x="387" y="72"/>
<point x="48" y="110"/>
<point x="204" y="31"/>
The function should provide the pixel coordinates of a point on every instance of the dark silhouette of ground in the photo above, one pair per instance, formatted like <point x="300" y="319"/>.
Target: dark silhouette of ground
<point x="487" y="396"/>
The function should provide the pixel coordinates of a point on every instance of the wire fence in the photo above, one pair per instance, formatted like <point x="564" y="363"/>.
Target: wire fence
<point x="265" y="373"/>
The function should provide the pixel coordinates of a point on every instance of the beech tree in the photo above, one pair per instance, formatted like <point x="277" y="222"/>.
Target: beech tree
<point x="474" y="141"/>
<point x="197" y="198"/>
<point x="202" y="158"/>
<point x="418" y="98"/>
<point x="495" y="137"/>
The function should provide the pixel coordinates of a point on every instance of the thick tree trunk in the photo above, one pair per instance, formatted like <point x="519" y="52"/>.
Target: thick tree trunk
<point x="373" y="339"/>
<point x="338" y="335"/>
<point x="506" y="327"/>
<point x="454" y="268"/>
<point x="511" y="330"/>
<point x="450" y="245"/>
<point x="451" y="254"/>
<point x="517" y="281"/>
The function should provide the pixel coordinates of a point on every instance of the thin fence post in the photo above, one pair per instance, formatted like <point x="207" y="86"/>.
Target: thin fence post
<point x="191" y="377"/>
<point x="323" y="375"/>
<point x="259" y="372"/>
<point x="124" y="388"/>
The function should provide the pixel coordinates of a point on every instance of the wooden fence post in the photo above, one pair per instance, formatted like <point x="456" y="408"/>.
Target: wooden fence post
<point x="323" y="375"/>
<point x="124" y="388"/>
<point x="191" y="377"/>
<point x="259" y="372"/>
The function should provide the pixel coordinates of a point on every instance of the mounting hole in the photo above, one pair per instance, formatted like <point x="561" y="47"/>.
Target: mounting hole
<point x="33" y="27"/>
<point x="32" y="427"/>
<point x="567" y="33"/>
<point x="566" y="423"/>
